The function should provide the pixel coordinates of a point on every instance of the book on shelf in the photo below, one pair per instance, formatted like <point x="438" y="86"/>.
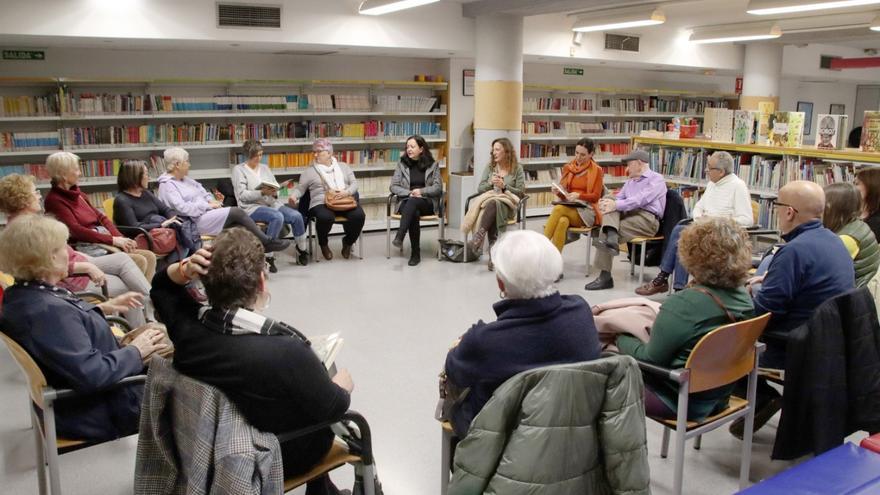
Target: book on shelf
<point x="28" y="106"/>
<point x="744" y="126"/>
<point x="870" y="141"/>
<point x="832" y="131"/>
<point x="718" y="124"/>
<point x="762" y="131"/>
<point x="787" y="129"/>
<point x="327" y="347"/>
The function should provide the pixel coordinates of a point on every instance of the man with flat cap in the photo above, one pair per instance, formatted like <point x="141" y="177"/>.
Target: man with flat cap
<point x="635" y="212"/>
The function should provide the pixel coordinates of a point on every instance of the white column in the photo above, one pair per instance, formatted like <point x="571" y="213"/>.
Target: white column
<point x="498" y="88"/>
<point x="762" y="70"/>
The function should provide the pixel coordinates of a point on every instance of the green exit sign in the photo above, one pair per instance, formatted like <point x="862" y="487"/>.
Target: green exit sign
<point x="24" y="55"/>
<point x="572" y="71"/>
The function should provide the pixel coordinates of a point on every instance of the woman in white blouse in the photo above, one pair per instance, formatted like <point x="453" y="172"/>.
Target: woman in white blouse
<point x="325" y="173"/>
<point x="256" y="195"/>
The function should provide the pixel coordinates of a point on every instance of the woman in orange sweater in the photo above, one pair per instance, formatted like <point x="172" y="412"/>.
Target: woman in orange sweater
<point x="582" y="180"/>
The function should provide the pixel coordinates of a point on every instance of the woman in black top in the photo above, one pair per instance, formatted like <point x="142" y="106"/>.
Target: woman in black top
<point x="136" y="206"/>
<point x="418" y="187"/>
<point x="868" y="183"/>
<point x="263" y="366"/>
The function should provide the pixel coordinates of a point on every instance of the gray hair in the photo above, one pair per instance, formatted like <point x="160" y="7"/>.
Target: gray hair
<point x="723" y="160"/>
<point x="175" y="155"/>
<point x="527" y="263"/>
<point x="60" y="163"/>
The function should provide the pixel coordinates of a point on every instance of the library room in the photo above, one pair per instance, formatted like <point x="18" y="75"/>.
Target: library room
<point x="630" y="225"/>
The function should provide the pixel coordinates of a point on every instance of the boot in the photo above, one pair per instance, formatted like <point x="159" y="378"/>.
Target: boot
<point x="492" y="238"/>
<point x="346" y="250"/>
<point x="477" y="242"/>
<point x="271" y="263"/>
<point x="302" y="256"/>
<point x="415" y="258"/>
<point x="659" y="285"/>
<point x="325" y="250"/>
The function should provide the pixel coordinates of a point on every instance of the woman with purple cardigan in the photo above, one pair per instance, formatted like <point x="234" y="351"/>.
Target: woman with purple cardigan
<point x="189" y="198"/>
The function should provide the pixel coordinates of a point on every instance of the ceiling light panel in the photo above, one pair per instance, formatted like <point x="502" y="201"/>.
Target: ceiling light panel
<point x="624" y="19"/>
<point x="379" y="7"/>
<point x="773" y="7"/>
<point x="735" y="32"/>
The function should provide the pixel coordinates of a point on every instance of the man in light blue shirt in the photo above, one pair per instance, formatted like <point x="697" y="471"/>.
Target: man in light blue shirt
<point x="635" y="212"/>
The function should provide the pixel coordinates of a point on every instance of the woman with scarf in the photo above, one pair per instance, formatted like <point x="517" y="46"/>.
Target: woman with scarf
<point x="328" y="174"/>
<point x="582" y="184"/>
<point x="265" y="367"/>
<point x="418" y="188"/>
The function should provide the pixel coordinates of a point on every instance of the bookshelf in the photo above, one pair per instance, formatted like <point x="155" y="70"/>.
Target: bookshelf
<point x="764" y="168"/>
<point x="555" y="117"/>
<point x="107" y="121"/>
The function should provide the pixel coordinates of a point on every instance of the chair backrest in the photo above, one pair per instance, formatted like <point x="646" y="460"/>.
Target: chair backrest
<point x="725" y="354"/>
<point x="35" y="377"/>
<point x="108" y="208"/>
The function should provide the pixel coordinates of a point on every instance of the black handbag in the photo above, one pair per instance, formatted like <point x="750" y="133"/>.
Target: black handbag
<point x="451" y="250"/>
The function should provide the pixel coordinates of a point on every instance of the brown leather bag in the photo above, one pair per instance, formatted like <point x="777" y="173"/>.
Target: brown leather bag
<point x="336" y="201"/>
<point x="165" y="353"/>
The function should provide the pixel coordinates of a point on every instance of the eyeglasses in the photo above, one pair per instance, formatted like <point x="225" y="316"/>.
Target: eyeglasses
<point x="777" y="203"/>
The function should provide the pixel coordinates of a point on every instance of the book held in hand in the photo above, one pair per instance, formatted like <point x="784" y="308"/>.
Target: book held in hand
<point x="274" y="185"/>
<point x="326" y="347"/>
<point x="562" y="194"/>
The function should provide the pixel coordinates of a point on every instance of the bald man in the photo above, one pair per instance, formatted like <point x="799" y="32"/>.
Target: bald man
<point x="810" y="268"/>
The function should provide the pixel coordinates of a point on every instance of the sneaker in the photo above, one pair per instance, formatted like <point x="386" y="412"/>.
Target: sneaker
<point x="656" y="286"/>
<point x="276" y="245"/>
<point x="302" y="256"/>
<point x="271" y="263"/>
<point x="762" y="415"/>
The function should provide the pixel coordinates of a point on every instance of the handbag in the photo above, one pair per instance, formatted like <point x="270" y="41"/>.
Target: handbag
<point x="165" y="353"/>
<point x="164" y="240"/>
<point x="454" y="251"/>
<point x="451" y="396"/>
<point x="336" y="201"/>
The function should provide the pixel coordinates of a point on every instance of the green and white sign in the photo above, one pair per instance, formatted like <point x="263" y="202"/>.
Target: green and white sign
<point x="572" y="71"/>
<point x="24" y="55"/>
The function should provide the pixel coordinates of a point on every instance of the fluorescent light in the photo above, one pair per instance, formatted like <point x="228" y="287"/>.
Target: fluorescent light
<point x="619" y="20"/>
<point x="771" y="7"/>
<point x="875" y="24"/>
<point x="379" y="7"/>
<point x="734" y="32"/>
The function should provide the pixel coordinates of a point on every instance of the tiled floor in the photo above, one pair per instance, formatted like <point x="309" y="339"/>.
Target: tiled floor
<point x="398" y="322"/>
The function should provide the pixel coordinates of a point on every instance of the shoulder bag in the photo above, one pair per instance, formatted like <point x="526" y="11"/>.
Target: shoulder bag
<point x="333" y="200"/>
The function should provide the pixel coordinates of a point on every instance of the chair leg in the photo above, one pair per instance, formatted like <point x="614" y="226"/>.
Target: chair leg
<point x="746" y="459"/>
<point x="387" y="237"/>
<point x="360" y="243"/>
<point x="41" y="452"/>
<point x="589" y="248"/>
<point x="442" y="226"/>
<point x="680" y="438"/>
<point x="664" y="446"/>
<point x="445" y="460"/>
<point x="312" y="243"/>
<point x="642" y="265"/>
<point x="698" y="442"/>
<point x="52" y="450"/>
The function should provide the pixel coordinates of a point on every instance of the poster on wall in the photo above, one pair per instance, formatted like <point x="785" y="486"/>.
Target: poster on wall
<point x="807" y="108"/>
<point x="467" y="78"/>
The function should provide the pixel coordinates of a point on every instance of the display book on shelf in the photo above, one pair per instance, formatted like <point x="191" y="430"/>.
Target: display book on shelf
<point x="367" y="121"/>
<point x="765" y="169"/>
<point x="555" y="117"/>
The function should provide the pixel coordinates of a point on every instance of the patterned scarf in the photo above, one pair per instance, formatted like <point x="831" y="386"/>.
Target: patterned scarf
<point x="245" y="322"/>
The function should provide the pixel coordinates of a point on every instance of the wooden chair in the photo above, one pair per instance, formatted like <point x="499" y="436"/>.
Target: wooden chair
<point x="440" y="218"/>
<point x="721" y="357"/>
<point x="129" y="231"/>
<point x="48" y="445"/>
<point x="520" y="217"/>
<point x="313" y="241"/>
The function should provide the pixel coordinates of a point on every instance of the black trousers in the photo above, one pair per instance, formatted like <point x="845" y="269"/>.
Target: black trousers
<point x="325" y="217"/>
<point x="410" y="211"/>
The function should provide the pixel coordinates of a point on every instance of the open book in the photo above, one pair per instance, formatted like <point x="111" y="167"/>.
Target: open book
<point x="326" y="347"/>
<point x="274" y="185"/>
<point x="562" y="193"/>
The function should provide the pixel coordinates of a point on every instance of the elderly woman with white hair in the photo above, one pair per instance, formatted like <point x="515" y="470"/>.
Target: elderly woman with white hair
<point x="329" y="177"/>
<point x="190" y="199"/>
<point x="69" y="338"/>
<point x="536" y="326"/>
<point x="66" y="202"/>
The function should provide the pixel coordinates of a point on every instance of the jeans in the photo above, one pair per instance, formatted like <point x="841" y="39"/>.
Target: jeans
<point x="670" y="262"/>
<point x="275" y="219"/>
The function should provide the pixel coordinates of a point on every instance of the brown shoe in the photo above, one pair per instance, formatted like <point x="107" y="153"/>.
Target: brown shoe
<point x="655" y="286"/>
<point x="346" y="250"/>
<point x="325" y="250"/>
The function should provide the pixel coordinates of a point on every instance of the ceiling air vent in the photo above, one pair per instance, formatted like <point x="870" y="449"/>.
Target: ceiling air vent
<point x="621" y="42"/>
<point x="235" y="15"/>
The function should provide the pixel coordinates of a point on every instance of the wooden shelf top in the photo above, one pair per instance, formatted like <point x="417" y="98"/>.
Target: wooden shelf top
<point x="846" y="155"/>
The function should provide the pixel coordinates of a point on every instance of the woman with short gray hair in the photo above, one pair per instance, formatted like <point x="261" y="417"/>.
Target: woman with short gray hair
<point x="190" y="199"/>
<point x="536" y="325"/>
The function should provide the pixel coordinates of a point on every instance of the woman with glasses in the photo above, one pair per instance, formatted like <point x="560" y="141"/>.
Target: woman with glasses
<point x="187" y="197"/>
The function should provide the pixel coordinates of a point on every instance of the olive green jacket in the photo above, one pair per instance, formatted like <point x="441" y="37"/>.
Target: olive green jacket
<point x="558" y="430"/>
<point x="867" y="260"/>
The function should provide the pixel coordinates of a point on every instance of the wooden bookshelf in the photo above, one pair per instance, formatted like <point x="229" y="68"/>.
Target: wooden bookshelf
<point x="845" y="155"/>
